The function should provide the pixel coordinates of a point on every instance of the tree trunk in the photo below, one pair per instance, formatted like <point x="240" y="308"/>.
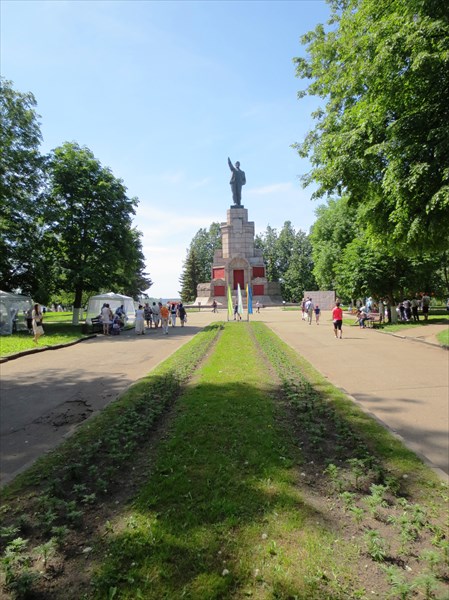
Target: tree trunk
<point x="77" y="305"/>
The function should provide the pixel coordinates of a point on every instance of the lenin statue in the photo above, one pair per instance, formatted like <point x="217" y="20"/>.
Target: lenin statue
<point x="238" y="179"/>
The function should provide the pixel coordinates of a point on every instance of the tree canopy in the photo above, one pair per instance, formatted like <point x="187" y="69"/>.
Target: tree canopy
<point x="21" y="181"/>
<point x="197" y="267"/>
<point x="91" y="223"/>
<point x="288" y="259"/>
<point x="382" y="138"/>
<point x="348" y="259"/>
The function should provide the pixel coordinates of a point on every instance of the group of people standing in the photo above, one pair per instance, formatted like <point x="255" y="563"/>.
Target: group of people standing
<point x="158" y="315"/>
<point x="113" y="323"/>
<point x="408" y="310"/>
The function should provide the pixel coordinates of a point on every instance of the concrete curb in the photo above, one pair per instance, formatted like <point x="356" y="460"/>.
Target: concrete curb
<point x="410" y="445"/>
<point x="44" y="348"/>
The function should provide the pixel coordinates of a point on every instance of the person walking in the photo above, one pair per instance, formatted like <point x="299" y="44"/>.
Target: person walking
<point x="148" y="313"/>
<point x="182" y="314"/>
<point x="337" y="320"/>
<point x="237" y="315"/>
<point x="317" y="311"/>
<point x="309" y="310"/>
<point x="156" y="317"/>
<point x="37" y="318"/>
<point x="173" y="313"/>
<point x="140" y="321"/>
<point x="164" y="313"/>
<point x="303" y="309"/>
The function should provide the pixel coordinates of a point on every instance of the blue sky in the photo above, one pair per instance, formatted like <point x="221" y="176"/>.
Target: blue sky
<point x="162" y="93"/>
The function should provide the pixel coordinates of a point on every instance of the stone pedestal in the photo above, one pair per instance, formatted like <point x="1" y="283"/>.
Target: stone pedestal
<point x="238" y="262"/>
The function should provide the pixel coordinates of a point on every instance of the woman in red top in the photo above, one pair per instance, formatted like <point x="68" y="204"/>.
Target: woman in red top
<point x="337" y="318"/>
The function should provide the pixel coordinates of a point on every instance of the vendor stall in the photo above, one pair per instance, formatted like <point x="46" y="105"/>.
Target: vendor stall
<point x="96" y="303"/>
<point x="13" y="309"/>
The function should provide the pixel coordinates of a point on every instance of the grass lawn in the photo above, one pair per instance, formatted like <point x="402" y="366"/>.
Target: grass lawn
<point x="443" y="337"/>
<point x="233" y="470"/>
<point x="58" y="330"/>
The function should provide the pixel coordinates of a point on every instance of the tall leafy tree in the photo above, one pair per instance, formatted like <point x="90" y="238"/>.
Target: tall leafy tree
<point x="131" y="278"/>
<point x="299" y="276"/>
<point x="348" y="259"/>
<point x="190" y="277"/>
<point x="335" y="227"/>
<point x="268" y="243"/>
<point x="205" y="242"/>
<point x="22" y="261"/>
<point x="288" y="259"/>
<point x="382" y="69"/>
<point x="91" y="221"/>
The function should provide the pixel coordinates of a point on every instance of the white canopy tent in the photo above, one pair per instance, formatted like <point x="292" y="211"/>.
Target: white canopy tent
<point x="13" y="308"/>
<point x="96" y="303"/>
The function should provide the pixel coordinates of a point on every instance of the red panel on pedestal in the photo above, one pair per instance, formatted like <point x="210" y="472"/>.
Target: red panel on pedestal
<point x="258" y="272"/>
<point x="218" y="273"/>
<point x="219" y="290"/>
<point x="258" y="290"/>
<point x="239" y="277"/>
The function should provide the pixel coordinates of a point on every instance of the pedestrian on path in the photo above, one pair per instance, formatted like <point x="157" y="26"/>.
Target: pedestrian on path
<point x="337" y="319"/>
<point x="155" y="315"/>
<point x="309" y="310"/>
<point x="37" y="317"/>
<point x="163" y="311"/>
<point x="140" y="321"/>
<point x="182" y="314"/>
<point x="317" y="314"/>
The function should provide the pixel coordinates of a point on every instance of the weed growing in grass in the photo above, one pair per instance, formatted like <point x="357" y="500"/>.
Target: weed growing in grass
<point x="400" y="587"/>
<point x="376" y="546"/>
<point x="376" y="500"/>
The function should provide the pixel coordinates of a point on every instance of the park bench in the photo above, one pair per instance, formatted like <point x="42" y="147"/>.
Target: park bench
<point x="374" y="318"/>
<point x="96" y="326"/>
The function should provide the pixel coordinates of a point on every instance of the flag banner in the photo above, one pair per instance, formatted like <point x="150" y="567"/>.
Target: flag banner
<point x="249" y="297"/>
<point x="240" y="301"/>
<point x="230" y="307"/>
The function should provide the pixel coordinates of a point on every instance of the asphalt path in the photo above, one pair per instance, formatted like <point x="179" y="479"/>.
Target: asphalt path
<point x="404" y="384"/>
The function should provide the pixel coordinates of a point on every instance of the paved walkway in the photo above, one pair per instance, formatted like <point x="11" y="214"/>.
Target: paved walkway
<point x="402" y="382"/>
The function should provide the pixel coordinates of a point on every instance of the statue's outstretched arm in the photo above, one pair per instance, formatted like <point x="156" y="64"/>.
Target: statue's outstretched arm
<point x="231" y="166"/>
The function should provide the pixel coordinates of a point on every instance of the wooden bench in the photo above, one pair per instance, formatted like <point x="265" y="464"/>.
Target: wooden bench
<point x="96" y="326"/>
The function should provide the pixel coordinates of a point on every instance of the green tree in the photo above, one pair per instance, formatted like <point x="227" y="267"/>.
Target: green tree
<point x="205" y="242"/>
<point x="382" y="69"/>
<point x="131" y="278"/>
<point x="268" y="243"/>
<point x="367" y="269"/>
<point x="22" y="234"/>
<point x="335" y="227"/>
<point x="288" y="259"/>
<point x="91" y="221"/>
<point x="190" y="277"/>
<point x="299" y="276"/>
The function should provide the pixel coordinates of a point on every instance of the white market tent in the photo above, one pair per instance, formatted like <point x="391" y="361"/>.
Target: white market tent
<point x="12" y="312"/>
<point x="96" y="303"/>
